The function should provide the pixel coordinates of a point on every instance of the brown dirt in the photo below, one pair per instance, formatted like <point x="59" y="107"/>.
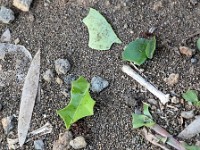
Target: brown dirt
<point x="57" y="30"/>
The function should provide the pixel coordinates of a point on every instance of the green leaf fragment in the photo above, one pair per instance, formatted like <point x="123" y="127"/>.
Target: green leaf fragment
<point x="139" y="50"/>
<point x="192" y="147"/>
<point x="101" y="34"/>
<point x="191" y="96"/>
<point x="198" y="43"/>
<point x="80" y="105"/>
<point x="141" y="120"/>
<point x="146" y="110"/>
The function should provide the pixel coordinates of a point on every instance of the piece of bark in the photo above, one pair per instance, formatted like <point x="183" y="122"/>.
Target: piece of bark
<point x="23" y="5"/>
<point x="28" y="97"/>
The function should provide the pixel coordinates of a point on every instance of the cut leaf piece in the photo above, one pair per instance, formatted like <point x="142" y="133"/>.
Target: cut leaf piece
<point x="146" y="110"/>
<point x="198" y="43"/>
<point x="101" y="34"/>
<point x="150" y="48"/>
<point x="80" y="105"/>
<point x="191" y="96"/>
<point x="141" y="120"/>
<point x="135" y="51"/>
<point x="139" y="50"/>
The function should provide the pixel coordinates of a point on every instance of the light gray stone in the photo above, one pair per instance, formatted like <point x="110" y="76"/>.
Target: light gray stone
<point x="98" y="84"/>
<point x="39" y="145"/>
<point x="6" y="36"/>
<point x="7" y="124"/>
<point x="78" y="142"/>
<point x="6" y="15"/>
<point x="62" y="66"/>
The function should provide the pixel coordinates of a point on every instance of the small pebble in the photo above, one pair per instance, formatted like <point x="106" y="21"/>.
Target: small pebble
<point x="157" y="5"/>
<point x="186" y="51"/>
<point x="59" y="81"/>
<point x="63" y="142"/>
<point x="69" y="78"/>
<point x="16" y="41"/>
<point x="193" y="60"/>
<point x="98" y="84"/>
<point x="193" y="2"/>
<point x="153" y="101"/>
<point x="187" y="114"/>
<point x="6" y="36"/>
<point x="6" y="15"/>
<point x="7" y="124"/>
<point x="78" y="142"/>
<point x="62" y="66"/>
<point x="48" y="75"/>
<point x="23" y="5"/>
<point x="172" y="79"/>
<point x="39" y="145"/>
<point x="175" y="100"/>
<point x="30" y="17"/>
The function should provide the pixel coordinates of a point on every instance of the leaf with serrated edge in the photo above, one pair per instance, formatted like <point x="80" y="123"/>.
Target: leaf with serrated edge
<point x="80" y="105"/>
<point x="28" y="97"/>
<point x="101" y="34"/>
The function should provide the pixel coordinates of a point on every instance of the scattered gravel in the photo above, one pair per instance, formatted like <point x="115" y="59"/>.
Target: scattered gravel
<point x="63" y="142"/>
<point x="193" y="60"/>
<point x="187" y="114"/>
<point x="98" y="84"/>
<point x="175" y="100"/>
<point x="157" y="6"/>
<point x="39" y="145"/>
<point x="1" y="106"/>
<point x="7" y="124"/>
<point x="62" y="66"/>
<point x="6" y="36"/>
<point x="78" y="142"/>
<point x="6" y="15"/>
<point x="48" y="75"/>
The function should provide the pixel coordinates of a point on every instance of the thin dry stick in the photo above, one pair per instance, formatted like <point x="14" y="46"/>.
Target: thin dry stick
<point x="164" y="98"/>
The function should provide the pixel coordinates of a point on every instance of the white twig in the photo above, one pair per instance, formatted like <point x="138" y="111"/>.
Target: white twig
<point x="164" y="98"/>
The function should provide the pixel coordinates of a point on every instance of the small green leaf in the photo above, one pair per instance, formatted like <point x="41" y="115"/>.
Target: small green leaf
<point x="141" y="120"/>
<point x="198" y="43"/>
<point x="139" y="50"/>
<point x="192" y="147"/>
<point x="191" y="96"/>
<point x="150" y="48"/>
<point x="80" y="105"/>
<point x="135" y="51"/>
<point x="101" y="34"/>
<point x="146" y="110"/>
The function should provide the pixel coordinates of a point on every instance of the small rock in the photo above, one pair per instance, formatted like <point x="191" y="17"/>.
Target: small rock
<point x="172" y="79"/>
<point x="193" y="60"/>
<point x="157" y="5"/>
<point x="125" y="25"/>
<point x="59" y="81"/>
<point x="98" y="84"/>
<point x="174" y="100"/>
<point x="6" y="15"/>
<point x="193" y="2"/>
<point x="31" y="17"/>
<point x="2" y="54"/>
<point x="7" y="124"/>
<point x="62" y="66"/>
<point x="39" y="145"/>
<point x="153" y="101"/>
<point x="63" y="142"/>
<point x="78" y="142"/>
<point x="69" y="78"/>
<point x="186" y="51"/>
<point x="6" y="36"/>
<point x="16" y="41"/>
<point x="48" y="75"/>
<point x="187" y="114"/>
<point x="23" y="5"/>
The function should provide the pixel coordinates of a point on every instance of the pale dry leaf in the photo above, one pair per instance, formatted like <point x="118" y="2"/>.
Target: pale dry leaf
<point x="28" y="97"/>
<point x="191" y="130"/>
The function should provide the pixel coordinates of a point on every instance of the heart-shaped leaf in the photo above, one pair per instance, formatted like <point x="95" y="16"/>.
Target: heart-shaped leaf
<point x="80" y="105"/>
<point x="101" y="34"/>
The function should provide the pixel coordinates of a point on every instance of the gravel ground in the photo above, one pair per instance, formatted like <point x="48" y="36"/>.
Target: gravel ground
<point x="56" y="28"/>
